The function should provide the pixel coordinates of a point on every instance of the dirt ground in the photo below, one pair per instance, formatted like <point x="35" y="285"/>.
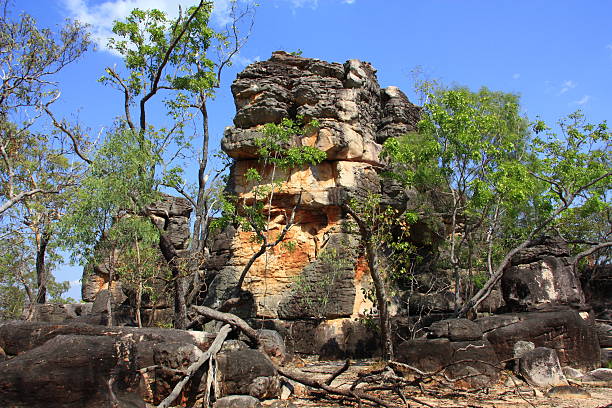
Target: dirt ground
<point x="436" y="394"/>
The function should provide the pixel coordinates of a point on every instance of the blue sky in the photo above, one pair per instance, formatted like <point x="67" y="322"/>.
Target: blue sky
<point x="556" y="54"/>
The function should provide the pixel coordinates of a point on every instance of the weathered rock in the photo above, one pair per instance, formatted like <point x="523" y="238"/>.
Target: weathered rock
<point x="455" y="330"/>
<point x="329" y="339"/>
<point x="282" y="404"/>
<point x="323" y="275"/>
<point x="597" y="282"/>
<point x="540" y="368"/>
<point x="18" y="336"/>
<point x="71" y="371"/>
<point x="568" y="392"/>
<point x="471" y="362"/>
<point x="521" y="347"/>
<point x="604" y="334"/>
<point x="599" y="377"/>
<point x="273" y="345"/>
<point x="83" y="366"/>
<point x="172" y="215"/>
<point x="238" y="370"/>
<point x="59" y="312"/>
<point x="564" y="330"/>
<point x="265" y="387"/>
<point x="571" y="373"/>
<point x="237" y="401"/>
<point x="606" y="356"/>
<point x="541" y="276"/>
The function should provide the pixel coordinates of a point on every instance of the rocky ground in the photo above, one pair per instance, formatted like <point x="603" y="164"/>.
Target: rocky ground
<point x="437" y="394"/>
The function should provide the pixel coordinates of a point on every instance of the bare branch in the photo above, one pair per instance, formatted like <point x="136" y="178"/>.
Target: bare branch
<point x="192" y="369"/>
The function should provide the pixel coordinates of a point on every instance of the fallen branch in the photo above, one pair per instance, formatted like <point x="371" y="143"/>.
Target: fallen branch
<point x="230" y="319"/>
<point x="347" y="393"/>
<point x="192" y="369"/>
<point x="339" y="371"/>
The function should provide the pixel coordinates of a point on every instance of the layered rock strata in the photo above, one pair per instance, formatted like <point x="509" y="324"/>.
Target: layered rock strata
<point x="322" y="274"/>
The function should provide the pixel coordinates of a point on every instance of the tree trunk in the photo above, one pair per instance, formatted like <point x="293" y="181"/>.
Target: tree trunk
<point x="138" y="304"/>
<point x="379" y="284"/>
<point x="381" y="300"/>
<point x="41" y="269"/>
<point x="172" y="259"/>
<point x="109" y="300"/>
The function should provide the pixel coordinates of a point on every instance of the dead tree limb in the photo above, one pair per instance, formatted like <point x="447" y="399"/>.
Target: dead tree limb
<point x="338" y="372"/>
<point x="347" y="393"/>
<point x="192" y="369"/>
<point x="230" y="319"/>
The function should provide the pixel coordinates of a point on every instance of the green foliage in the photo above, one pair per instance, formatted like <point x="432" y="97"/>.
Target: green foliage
<point x="36" y="169"/>
<point x="502" y="184"/>
<point x="275" y="153"/>
<point x="144" y="38"/>
<point x="116" y="184"/>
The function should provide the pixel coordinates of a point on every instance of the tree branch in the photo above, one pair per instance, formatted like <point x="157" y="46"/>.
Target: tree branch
<point x="211" y="352"/>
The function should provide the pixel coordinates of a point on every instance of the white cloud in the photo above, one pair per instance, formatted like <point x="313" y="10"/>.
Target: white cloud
<point x="516" y="76"/>
<point x="313" y="4"/>
<point x="566" y="86"/>
<point x="101" y="16"/>
<point x="584" y="100"/>
<point x="75" y="283"/>
<point x="244" y="61"/>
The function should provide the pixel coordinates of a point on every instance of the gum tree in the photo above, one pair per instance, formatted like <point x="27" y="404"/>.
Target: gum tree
<point x="173" y="65"/>
<point x="36" y="166"/>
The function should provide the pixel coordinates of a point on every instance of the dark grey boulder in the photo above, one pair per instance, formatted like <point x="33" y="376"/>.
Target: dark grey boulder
<point x="599" y="377"/>
<point x="565" y="330"/>
<point x="472" y="362"/>
<point x="541" y="276"/>
<point x="239" y="369"/>
<point x="455" y="330"/>
<point x="568" y="392"/>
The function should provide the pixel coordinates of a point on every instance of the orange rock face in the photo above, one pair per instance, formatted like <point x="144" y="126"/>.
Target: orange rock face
<point x="318" y="271"/>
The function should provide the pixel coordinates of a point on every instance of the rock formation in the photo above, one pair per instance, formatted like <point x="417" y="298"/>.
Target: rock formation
<point x="541" y="276"/>
<point x="172" y="215"/>
<point x="323" y="276"/>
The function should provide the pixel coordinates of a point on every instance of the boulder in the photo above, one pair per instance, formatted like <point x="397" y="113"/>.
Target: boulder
<point x="71" y="371"/>
<point x="571" y="373"/>
<point x="600" y="377"/>
<point x="540" y="368"/>
<point x="568" y="392"/>
<point x="241" y="372"/>
<point x="564" y="330"/>
<point x="473" y="363"/>
<point x="273" y="345"/>
<point x="328" y="339"/>
<point x="604" y="334"/>
<point x="541" y="276"/>
<point x="59" y="312"/>
<point x="455" y="330"/>
<point x="237" y="401"/>
<point x="18" y="336"/>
